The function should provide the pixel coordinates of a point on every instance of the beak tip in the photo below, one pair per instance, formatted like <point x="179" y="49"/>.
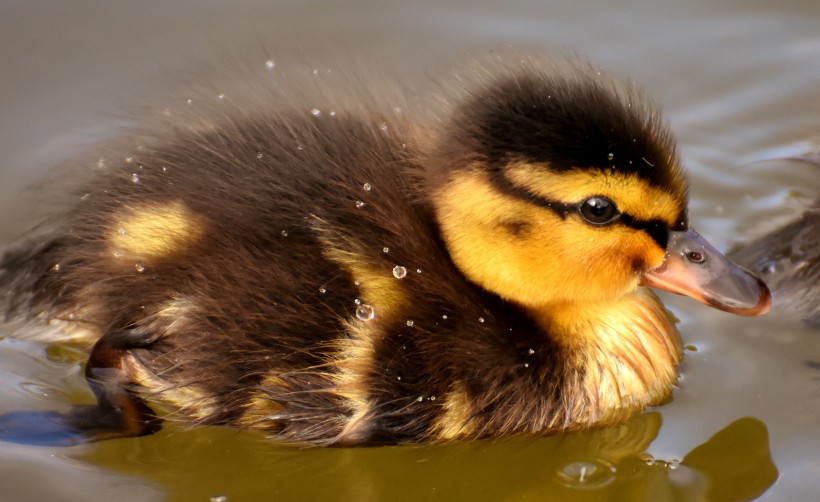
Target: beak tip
<point x="764" y="302"/>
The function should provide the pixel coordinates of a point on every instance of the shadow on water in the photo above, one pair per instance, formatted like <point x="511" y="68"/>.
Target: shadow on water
<point x="607" y="464"/>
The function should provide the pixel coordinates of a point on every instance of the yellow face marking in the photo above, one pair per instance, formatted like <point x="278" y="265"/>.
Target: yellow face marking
<point x="154" y="230"/>
<point x="551" y="260"/>
<point x="631" y="194"/>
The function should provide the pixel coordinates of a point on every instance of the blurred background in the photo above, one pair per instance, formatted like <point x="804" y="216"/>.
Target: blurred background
<point x="739" y="82"/>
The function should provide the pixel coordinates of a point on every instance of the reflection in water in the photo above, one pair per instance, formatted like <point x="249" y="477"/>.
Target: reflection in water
<point x="735" y="464"/>
<point x="789" y="257"/>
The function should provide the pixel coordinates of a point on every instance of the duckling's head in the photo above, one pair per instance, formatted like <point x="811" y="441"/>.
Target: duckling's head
<point x="565" y="187"/>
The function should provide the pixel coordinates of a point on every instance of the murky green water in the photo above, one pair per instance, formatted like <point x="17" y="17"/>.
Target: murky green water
<point x="740" y="82"/>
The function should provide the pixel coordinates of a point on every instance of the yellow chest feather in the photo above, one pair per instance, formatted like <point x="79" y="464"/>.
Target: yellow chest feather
<point x="624" y="356"/>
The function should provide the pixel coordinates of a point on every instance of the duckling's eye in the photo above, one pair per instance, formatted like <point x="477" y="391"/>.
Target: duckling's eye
<point x="599" y="211"/>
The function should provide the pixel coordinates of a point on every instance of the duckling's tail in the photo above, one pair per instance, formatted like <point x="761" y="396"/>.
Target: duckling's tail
<point x="33" y="294"/>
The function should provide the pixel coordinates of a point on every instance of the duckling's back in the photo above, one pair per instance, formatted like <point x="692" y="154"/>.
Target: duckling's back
<point x="283" y="274"/>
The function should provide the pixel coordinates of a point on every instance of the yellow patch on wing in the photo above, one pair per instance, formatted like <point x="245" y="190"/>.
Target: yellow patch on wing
<point x="631" y="193"/>
<point x="257" y="411"/>
<point x="64" y="329"/>
<point x="193" y="402"/>
<point x="455" y="421"/>
<point x="378" y="288"/>
<point x="381" y="297"/>
<point x="154" y="230"/>
<point x="629" y="351"/>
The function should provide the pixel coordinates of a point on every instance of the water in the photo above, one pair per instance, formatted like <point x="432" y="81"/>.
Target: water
<point x="739" y="82"/>
<point x="365" y="312"/>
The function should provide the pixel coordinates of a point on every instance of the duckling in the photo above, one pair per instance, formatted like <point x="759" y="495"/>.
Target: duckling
<point x="333" y="280"/>
<point x="789" y="257"/>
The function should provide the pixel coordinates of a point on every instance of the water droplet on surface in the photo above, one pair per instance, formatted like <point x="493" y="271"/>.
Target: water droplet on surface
<point x="284" y="233"/>
<point x="357" y="301"/>
<point x="420" y="399"/>
<point x="531" y="352"/>
<point x="526" y="365"/>
<point x="359" y="204"/>
<point x="418" y="270"/>
<point x="480" y="319"/>
<point x="399" y="272"/>
<point x="365" y="312"/>
<point x="135" y="177"/>
<point x="56" y="267"/>
<point x="444" y="316"/>
<point x="139" y="267"/>
<point x="220" y="96"/>
<point x="259" y="155"/>
<point x="432" y="398"/>
<point x="300" y="147"/>
<point x="122" y="231"/>
<point x="587" y="474"/>
<point x="410" y="322"/>
<point x="128" y="160"/>
<point x="398" y="377"/>
<point x="323" y="290"/>
<point x="190" y="101"/>
<point x="610" y="156"/>
<point x="383" y="126"/>
<point x="269" y="64"/>
<point x="315" y="72"/>
<point x="367" y="186"/>
<point x="332" y="114"/>
<point x="386" y="249"/>
<point x="316" y="112"/>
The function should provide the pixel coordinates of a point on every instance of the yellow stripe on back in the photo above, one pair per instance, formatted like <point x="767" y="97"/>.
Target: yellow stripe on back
<point x="154" y="230"/>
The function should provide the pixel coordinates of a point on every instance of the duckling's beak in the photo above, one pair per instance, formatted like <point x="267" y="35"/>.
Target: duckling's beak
<point x="692" y="267"/>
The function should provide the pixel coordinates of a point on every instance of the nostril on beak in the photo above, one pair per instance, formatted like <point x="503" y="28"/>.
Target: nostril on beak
<point x="695" y="257"/>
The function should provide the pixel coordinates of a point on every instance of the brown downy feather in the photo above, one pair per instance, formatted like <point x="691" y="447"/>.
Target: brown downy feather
<point x="284" y="270"/>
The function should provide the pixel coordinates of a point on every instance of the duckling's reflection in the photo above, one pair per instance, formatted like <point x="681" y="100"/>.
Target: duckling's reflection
<point x="604" y="464"/>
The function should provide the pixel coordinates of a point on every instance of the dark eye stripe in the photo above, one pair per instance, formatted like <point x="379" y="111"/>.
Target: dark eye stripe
<point x="656" y="229"/>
